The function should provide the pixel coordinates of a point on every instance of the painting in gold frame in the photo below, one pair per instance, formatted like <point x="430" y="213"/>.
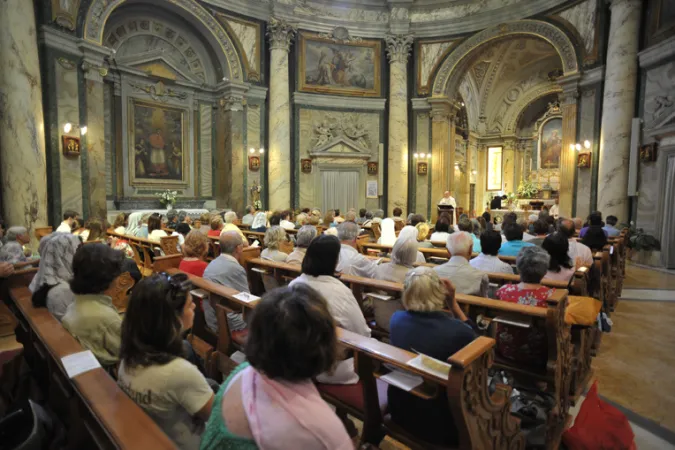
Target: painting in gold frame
<point x="331" y="67"/>
<point x="494" y="169"/>
<point x="158" y="144"/>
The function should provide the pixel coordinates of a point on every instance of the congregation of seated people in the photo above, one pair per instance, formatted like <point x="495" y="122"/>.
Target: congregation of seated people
<point x="290" y="338"/>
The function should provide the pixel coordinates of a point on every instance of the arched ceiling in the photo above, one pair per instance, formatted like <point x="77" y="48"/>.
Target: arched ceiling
<point x="502" y="77"/>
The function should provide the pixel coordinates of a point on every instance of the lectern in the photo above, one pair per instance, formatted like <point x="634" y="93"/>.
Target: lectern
<point x="448" y="209"/>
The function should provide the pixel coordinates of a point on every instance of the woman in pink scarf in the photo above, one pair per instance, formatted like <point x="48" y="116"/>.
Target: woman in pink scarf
<point x="271" y="403"/>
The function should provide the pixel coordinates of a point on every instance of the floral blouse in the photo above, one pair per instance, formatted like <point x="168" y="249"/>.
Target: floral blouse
<point x="523" y="345"/>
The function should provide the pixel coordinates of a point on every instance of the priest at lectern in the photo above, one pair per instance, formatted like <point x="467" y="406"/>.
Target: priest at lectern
<point x="448" y="203"/>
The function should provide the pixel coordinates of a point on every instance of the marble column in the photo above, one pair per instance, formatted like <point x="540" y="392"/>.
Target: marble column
<point x="279" y="158"/>
<point x="231" y="189"/>
<point x="440" y="143"/>
<point x="618" y="107"/>
<point x="398" y="49"/>
<point x="93" y="147"/>
<point x="23" y="164"/>
<point x="509" y="166"/>
<point x="568" y="167"/>
<point x="464" y="182"/>
<point x="481" y="181"/>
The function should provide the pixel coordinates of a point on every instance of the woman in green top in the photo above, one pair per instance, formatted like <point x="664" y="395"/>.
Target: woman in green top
<point x="272" y="404"/>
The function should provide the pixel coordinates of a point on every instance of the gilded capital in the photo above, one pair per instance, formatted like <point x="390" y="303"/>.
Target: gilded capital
<point x="280" y="34"/>
<point x="398" y="47"/>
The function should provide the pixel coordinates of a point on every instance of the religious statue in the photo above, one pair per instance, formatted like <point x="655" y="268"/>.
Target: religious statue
<point x="358" y="134"/>
<point x="158" y="163"/>
<point x="324" y="134"/>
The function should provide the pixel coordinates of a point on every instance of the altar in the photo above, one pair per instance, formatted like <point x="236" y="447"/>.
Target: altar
<point x="193" y="213"/>
<point x="520" y="207"/>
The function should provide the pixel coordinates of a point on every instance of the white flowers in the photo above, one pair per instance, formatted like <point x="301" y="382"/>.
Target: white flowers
<point x="167" y="197"/>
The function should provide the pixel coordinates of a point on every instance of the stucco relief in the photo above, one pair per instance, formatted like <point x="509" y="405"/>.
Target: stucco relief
<point x="659" y="103"/>
<point x="583" y="18"/>
<point x="458" y="11"/>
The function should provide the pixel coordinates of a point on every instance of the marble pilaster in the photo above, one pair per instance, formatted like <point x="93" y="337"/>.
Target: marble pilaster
<point x="587" y="128"/>
<point x="279" y="157"/>
<point x="230" y="175"/>
<point x="481" y="182"/>
<point x="568" y="156"/>
<point x="618" y="107"/>
<point x="422" y="181"/>
<point x="22" y="141"/>
<point x="443" y="160"/>
<point x="205" y="187"/>
<point x="509" y="166"/>
<point x="94" y="143"/>
<point x="398" y="49"/>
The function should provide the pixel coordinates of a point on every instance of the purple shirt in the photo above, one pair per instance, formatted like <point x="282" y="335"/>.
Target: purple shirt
<point x="583" y="231"/>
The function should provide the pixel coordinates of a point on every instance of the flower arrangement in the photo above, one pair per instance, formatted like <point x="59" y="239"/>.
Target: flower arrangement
<point x="167" y="198"/>
<point x="527" y="189"/>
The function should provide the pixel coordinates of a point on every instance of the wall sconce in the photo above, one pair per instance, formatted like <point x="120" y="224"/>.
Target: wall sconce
<point x="260" y="150"/>
<point x="422" y="155"/>
<point x="583" y="158"/>
<point x="67" y="127"/>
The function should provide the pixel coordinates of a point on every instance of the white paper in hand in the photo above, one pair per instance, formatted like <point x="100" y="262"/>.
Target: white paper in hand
<point x="246" y="297"/>
<point x="255" y="243"/>
<point x="78" y="363"/>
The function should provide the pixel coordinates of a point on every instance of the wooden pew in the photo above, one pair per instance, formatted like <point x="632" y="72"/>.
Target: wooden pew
<point x="163" y="263"/>
<point x="97" y="413"/>
<point x="465" y="387"/>
<point x="441" y="253"/>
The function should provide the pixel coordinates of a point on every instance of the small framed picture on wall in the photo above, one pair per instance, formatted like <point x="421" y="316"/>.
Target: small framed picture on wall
<point x="422" y="168"/>
<point x="306" y="165"/>
<point x="254" y="163"/>
<point x="372" y="168"/>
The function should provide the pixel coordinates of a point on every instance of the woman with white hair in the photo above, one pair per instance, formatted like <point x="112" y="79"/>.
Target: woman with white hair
<point x="274" y="236"/>
<point x="230" y="217"/>
<point x="525" y="345"/>
<point x="51" y="284"/>
<point x="388" y="236"/>
<point x="259" y="222"/>
<point x="13" y="251"/>
<point x="425" y="328"/>
<point x="304" y="237"/>
<point x="409" y="233"/>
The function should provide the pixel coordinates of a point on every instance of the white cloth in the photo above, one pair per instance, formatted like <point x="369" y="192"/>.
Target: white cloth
<point x="554" y="211"/>
<point x="351" y="262"/>
<point x="489" y="263"/>
<point x="181" y="238"/>
<point x="120" y="230"/>
<point x="287" y="225"/>
<point x="296" y="256"/>
<point x="579" y="250"/>
<point x="388" y="236"/>
<point x="64" y="228"/>
<point x="171" y="394"/>
<point x="439" y="236"/>
<point x="260" y="220"/>
<point x="156" y="235"/>
<point x="528" y="237"/>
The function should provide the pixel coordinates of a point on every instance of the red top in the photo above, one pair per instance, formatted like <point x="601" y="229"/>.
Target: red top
<point x="195" y="267"/>
<point x="524" y="345"/>
<point x="215" y="233"/>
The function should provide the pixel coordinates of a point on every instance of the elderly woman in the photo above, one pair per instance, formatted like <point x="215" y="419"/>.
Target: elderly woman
<point x="195" y="248"/>
<point x="133" y="224"/>
<point x="274" y="236"/>
<point x="216" y="226"/>
<point x="329" y="219"/>
<point x="259" y="222"/>
<point x="230" y="217"/>
<point x="318" y="272"/>
<point x="561" y="267"/>
<point x="425" y="328"/>
<point x="305" y="236"/>
<point x="50" y="286"/>
<point x="409" y="233"/>
<point x="13" y="251"/>
<point x="368" y="221"/>
<point x="525" y="345"/>
<point x="378" y="216"/>
<point x="403" y="256"/>
<point x="204" y="223"/>
<point x="423" y="229"/>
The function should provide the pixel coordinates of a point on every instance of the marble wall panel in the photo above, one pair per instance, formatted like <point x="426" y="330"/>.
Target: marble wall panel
<point x="67" y="105"/>
<point x="458" y="11"/>
<point x="95" y="149"/>
<point x="587" y="127"/>
<point x="659" y="96"/>
<point x="430" y="54"/>
<point x="247" y="35"/>
<point x="234" y="148"/>
<point x="206" y="150"/>
<point x="423" y="145"/>
<point x="109" y="159"/>
<point x="582" y="16"/>
<point x="342" y="122"/>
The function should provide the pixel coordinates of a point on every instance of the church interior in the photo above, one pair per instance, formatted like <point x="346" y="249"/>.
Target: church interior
<point x="285" y="122"/>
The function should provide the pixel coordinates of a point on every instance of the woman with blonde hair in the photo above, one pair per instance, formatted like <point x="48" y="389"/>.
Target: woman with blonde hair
<point x="423" y="229"/>
<point x="425" y="328"/>
<point x="329" y="219"/>
<point x="216" y="226"/>
<point x="274" y="236"/>
<point x="95" y="232"/>
<point x="204" y="223"/>
<point x="195" y="248"/>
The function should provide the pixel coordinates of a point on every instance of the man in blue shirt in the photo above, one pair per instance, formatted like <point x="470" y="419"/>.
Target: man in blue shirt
<point x="610" y="228"/>
<point x="514" y="240"/>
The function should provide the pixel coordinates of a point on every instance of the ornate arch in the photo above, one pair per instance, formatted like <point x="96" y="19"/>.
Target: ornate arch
<point x="449" y="74"/>
<point x="100" y="10"/>
<point x="519" y="107"/>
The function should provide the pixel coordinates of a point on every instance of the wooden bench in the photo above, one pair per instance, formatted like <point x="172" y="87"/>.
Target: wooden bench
<point x="96" y="412"/>
<point x="466" y="386"/>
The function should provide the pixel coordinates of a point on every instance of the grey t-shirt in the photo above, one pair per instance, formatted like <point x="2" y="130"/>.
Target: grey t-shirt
<point x="171" y="394"/>
<point x="58" y="299"/>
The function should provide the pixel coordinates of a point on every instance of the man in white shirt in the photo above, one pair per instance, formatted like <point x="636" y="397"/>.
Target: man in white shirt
<point x="487" y="260"/>
<point x="351" y="262"/>
<point x="448" y="199"/>
<point x="69" y="217"/>
<point x="248" y="217"/>
<point x="555" y="209"/>
<point x="467" y="280"/>
<point x="580" y="254"/>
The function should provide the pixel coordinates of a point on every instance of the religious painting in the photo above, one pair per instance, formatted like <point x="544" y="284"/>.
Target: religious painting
<point x="422" y="168"/>
<point x="372" y="168"/>
<point x="648" y="152"/>
<point x="584" y="160"/>
<point x="550" y="144"/>
<point x="158" y="143"/>
<point x="254" y="163"/>
<point x="306" y="165"/>
<point x="333" y="67"/>
<point x="494" y="169"/>
<point x="71" y="145"/>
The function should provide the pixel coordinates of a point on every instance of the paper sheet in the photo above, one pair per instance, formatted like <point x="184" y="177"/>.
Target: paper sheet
<point x="255" y="243"/>
<point x="245" y="297"/>
<point x="441" y="372"/>
<point x="379" y="296"/>
<point x="403" y="380"/>
<point x="517" y="322"/>
<point x="78" y="363"/>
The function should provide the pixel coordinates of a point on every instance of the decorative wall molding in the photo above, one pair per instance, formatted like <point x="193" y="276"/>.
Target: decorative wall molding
<point x="329" y="101"/>
<point x="157" y="91"/>
<point x="658" y="53"/>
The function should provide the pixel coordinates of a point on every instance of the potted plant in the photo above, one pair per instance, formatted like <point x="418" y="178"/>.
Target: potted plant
<point x="527" y="189"/>
<point x="644" y="248"/>
<point x="167" y="198"/>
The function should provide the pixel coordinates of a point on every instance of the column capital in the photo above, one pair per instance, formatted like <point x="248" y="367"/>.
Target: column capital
<point x="570" y="88"/>
<point x="94" y="72"/>
<point x="280" y="34"/>
<point x="442" y="110"/>
<point x="398" y="47"/>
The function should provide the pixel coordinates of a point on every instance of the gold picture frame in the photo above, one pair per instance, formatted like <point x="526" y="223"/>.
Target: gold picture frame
<point x="156" y="159"/>
<point x="324" y="57"/>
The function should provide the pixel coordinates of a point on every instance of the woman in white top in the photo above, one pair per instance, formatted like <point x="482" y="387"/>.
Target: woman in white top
<point x="274" y="236"/>
<point x="259" y="222"/>
<point x="561" y="267"/>
<point x="441" y="229"/>
<point x="318" y="269"/>
<point x="133" y="223"/>
<point x="120" y="225"/>
<point x="153" y="370"/>
<point x="388" y="236"/>
<point x="487" y="260"/>
<point x="409" y="233"/>
<point x="155" y="231"/>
